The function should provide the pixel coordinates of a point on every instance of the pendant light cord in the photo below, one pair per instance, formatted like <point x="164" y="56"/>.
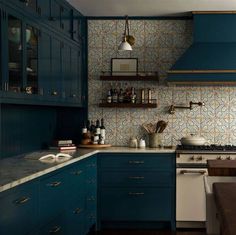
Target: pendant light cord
<point x="126" y="25"/>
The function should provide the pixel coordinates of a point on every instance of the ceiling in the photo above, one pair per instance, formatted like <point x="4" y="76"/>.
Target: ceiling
<point x="150" y="8"/>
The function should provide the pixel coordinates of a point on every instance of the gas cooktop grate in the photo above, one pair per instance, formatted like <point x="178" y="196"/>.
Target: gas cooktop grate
<point x="212" y="147"/>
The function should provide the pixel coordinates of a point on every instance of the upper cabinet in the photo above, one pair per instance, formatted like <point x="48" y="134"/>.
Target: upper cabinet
<point x="41" y="62"/>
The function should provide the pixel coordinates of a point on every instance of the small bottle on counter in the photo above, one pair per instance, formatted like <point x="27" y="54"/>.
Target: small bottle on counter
<point x="92" y="128"/>
<point x="84" y="129"/>
<point x="98" y="130"/>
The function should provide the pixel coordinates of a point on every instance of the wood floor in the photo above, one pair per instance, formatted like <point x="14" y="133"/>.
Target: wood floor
<point x="152" y="232"/>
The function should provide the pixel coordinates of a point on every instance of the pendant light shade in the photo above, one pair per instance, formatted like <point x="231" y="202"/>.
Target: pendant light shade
<point x="125" y="45"/>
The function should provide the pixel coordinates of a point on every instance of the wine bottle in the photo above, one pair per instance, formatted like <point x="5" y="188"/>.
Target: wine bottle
<point x="149" y="96"/>
<point x="142" y="96"/>
<point x="103" y="132"/>
<point x="121" y="96"/>
<point x="109" y="97"/>
<point x="98" y="130"/>
<point x="92" y="128"/>
<point x="88" y="125"/>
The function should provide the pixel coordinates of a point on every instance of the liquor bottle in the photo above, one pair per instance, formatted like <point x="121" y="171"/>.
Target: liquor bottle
<point x="103" y="132"/>
<point x="121" y="96"/>
<point x="142" y="96"/>
<point x="115" y="96"/>
<point x="149" y="96"/>
<point x="98" y="130"/>
<point x="109" y="97"/>
<point x="88" y="125"/>
<point x="133" y="96"/>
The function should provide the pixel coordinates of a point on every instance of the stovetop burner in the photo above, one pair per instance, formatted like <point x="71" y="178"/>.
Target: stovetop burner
<point x="213" y="147"/>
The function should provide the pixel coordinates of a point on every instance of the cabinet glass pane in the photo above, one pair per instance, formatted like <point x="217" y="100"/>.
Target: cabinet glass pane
<point x="31" y="59"/>
<point x="15" y="53"/>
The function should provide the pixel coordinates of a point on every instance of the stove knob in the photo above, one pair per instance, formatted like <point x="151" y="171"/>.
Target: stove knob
<point x="229" y="158"/>
<point x="192" y="158"/>
<point x="199" y="158"/>
<point x="219" y="158"/>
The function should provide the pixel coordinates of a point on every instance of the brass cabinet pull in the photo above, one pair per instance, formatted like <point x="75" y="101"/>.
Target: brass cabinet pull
<point x="202" y="172"/>
<point x="136" y="162"/>
<point x="54" y="184"/>
<point x="136" y="177"/>
<point x="78" y="210"/>
<point x="77" y="172"/>
<point x="55" y="229"/>
<point x="22" y="200"/>
<point x="136" y="193"/>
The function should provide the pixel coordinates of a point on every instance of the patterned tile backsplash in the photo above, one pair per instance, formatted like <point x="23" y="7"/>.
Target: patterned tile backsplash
<point x="159" y="43"/>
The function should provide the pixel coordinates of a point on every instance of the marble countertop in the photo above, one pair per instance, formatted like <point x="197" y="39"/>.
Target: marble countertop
<point x="20" y="169"/>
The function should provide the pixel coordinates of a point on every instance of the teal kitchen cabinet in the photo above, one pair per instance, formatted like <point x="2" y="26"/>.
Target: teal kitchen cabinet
<point x="19" y="209"/>
<point x="61" y="202"/>
<point x="136" y="190"/>
<point x="40" y="61"/>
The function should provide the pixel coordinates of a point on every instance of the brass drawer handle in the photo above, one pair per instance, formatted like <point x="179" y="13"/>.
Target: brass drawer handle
<point x="55" y="229"/>
<point x="136" y="162"/>
<point x="202" y="172"/>
<point x="22" y="200"/>
<point x="136" y="193"/>
<point x="54" y="184"/>
<point x="136" y="177"/>
<point x="78" y="210"/>
<point x="77" y="172"/>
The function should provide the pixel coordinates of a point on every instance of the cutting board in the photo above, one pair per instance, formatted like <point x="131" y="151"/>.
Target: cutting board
<point x="94" y="145"/>
<point x="221" y="167"/>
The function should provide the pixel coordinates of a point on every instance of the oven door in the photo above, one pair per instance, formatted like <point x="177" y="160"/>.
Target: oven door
<point x="190" y="195"/>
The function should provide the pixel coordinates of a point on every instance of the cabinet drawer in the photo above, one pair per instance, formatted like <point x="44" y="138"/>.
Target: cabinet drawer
<point x="136" y="178"/>
<point x="136" y="161"/>
<point x="19" y="209"/>
<point x="52" y="196"/>
<point x="136" y="204"/>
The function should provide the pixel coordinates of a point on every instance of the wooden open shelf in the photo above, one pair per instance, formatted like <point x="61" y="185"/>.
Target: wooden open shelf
<point x="153" y="104"/>
<point x="129" y="78"/>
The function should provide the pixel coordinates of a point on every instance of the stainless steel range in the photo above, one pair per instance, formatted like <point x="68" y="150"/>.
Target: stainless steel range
<point x="191" y="165"/>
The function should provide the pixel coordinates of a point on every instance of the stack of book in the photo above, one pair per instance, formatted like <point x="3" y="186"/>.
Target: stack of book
<point x="63" y="145"/>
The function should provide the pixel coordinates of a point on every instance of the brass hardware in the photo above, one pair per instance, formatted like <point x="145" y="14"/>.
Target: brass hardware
<point x="54" y="184"/>
<point x="78" y="210"/>
<point x="172" y="107"/>
<point x="202" y="172"/>
<point x="55" y="229"/>
<point x="54" y="93"/>
<point x="136" y="193"/>
<point x="22" y="200"/>
<point x="136" y="162"/>
<point x="136" y="177"/>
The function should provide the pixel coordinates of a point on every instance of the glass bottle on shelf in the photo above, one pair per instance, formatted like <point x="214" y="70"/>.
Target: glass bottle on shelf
<point x="133" y="96"/>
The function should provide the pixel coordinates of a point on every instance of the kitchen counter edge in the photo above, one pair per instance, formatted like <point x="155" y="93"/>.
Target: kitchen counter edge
<point x="24" y="170"/>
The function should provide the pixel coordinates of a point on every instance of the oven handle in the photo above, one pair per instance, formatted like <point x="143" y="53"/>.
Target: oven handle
<point x="202" y="172"/>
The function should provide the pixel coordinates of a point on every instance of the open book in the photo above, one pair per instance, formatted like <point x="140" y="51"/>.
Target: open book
<point x="54" y="158"/>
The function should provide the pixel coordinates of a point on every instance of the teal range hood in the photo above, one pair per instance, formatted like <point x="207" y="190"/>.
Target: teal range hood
<point x="211" y="59"/>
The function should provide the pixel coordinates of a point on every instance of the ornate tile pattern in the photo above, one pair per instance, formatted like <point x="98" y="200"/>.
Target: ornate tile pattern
<point x="159" y="43"/>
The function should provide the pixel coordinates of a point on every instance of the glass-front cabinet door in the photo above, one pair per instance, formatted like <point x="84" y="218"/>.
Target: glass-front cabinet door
<point x="15" y="55"/>
<point x="31" y="37"/>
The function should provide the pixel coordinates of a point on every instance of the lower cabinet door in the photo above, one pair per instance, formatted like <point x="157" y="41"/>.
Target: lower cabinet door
<point x="19" y="210"/>
<point x="136" y="204"/>
<point x="75" y="218"/>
